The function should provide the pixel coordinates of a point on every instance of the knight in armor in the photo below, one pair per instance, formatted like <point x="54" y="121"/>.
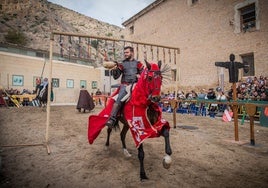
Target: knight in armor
<point x="130" y="69"/>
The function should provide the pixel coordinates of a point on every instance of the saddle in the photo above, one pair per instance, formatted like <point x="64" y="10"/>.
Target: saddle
<point x="129" y="90"/>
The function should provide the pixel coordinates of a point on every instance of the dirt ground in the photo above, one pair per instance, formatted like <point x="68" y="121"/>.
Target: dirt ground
<point x="204" y="153"/>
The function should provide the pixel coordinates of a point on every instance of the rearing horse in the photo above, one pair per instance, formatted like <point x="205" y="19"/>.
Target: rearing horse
<point x="141" y="114"/>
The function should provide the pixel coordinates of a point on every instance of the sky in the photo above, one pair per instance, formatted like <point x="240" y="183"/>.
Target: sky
<point x="110" y="11"/>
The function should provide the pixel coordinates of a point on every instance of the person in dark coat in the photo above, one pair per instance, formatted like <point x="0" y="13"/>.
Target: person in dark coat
<point x="85" y="101"/>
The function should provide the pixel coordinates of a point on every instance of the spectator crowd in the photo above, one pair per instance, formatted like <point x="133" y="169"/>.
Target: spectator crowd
<point x="252" y="88"/>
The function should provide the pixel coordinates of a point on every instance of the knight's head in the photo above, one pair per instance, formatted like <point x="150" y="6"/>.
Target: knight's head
<point x="154" y="80"/>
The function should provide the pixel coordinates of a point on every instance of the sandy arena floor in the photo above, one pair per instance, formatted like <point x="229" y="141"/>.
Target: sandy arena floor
<point x="204" y="153"/>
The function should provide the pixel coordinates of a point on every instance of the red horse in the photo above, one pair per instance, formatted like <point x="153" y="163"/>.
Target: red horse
<point x="141" y="114"/>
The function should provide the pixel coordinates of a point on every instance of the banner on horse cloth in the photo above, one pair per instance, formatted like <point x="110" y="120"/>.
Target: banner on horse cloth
<point x="141" y="128"/>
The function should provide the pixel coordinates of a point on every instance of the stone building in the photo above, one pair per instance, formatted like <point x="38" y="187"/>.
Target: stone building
<point x="205" y="31"/>
<point x="19" y="72"/>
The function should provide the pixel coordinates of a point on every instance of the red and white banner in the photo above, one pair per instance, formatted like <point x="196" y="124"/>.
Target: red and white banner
<point x="140" y="126"/>
<point x="227" y="116"/>
<point x="137" y="119"/>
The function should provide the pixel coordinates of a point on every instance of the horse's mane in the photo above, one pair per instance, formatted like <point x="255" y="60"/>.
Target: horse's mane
<point x="166" y="73"/>
<point x="139" y="94"/>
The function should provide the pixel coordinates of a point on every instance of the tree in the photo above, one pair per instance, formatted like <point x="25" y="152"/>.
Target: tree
<point x="16" y="37"/>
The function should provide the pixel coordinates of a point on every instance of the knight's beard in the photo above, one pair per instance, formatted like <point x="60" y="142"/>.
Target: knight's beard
<point x="128" y="58"/>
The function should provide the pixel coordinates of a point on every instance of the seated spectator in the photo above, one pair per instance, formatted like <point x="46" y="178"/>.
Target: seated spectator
<point x="181" y="95"/>
<point x="264" y="96"/>
<point x="221" y="96"/>
<point x="211" y="94"/>
<point x="202" y="94"/>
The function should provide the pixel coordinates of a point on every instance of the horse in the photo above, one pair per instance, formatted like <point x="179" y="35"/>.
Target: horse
<point x="141" y="114"/>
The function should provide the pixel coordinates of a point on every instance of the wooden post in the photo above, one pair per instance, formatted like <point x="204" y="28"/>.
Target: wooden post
<point x="49" y="88"/>
<point x="251" y="110"/>
<point x="173" y="104"/>
<point x="235" y="112"/>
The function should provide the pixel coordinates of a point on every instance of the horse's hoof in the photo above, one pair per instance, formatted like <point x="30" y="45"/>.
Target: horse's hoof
<point x="126" y="153"/>
<point x="106" y="148"/>
<point x="144" y="178"/>
<point x="167" y="161"/>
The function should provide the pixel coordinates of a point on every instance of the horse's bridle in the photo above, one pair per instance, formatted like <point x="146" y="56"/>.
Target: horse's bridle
<point x="152" y="78"/>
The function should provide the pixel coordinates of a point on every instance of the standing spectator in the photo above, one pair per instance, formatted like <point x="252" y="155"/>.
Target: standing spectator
<point x="98" y="92"/>
<point x="85" y="101"/>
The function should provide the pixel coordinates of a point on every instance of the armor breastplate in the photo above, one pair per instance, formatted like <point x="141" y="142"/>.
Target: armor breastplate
<point x="130" y="71"/>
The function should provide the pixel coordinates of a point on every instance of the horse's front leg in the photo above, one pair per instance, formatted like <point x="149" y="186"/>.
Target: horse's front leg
<point x="141" y="159"/>
<point x="109" y="130"/>
<point x="165" y="134"/>
<point x="123" y="139"/>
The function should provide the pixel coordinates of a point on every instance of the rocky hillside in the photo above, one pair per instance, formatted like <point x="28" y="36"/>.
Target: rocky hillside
<point x="29" y="23"/>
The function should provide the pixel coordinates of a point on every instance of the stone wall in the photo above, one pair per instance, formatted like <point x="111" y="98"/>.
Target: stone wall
<point x="205" y="33"/>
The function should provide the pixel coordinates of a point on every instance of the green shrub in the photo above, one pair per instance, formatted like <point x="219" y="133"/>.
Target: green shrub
<point x="16" y="37"/>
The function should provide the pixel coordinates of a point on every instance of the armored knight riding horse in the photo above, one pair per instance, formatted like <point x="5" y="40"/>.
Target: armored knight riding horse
<point x="140" y="113"/>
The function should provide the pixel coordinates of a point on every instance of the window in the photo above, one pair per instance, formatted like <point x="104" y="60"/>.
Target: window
<point x="173" y="74"/>
<point x="94" y="85"/>
<point x="246" y="16"/>
<point x="107" y="72"/>
<point x="83" y="84"/>
<point x="70" y="83"/>
<point x="55" y="82"/>
<point x="249" y="58"/>
<point x="131" y="29"/>
<point x="17" y="80"/>
<point x="192" y="2"/>
<point x="40" y="54"/>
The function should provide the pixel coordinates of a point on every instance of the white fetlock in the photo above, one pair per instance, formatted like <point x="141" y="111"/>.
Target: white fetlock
<point x="126" y="153"/>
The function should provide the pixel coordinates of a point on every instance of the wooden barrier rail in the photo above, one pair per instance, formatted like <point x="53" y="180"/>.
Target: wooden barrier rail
<point x="30" y="97"/>
<point x="250" y="110"/>
<point x="102" y="98"/>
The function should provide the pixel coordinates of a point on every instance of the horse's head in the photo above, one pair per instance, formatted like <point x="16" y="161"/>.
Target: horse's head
<point x="153" y="79"/>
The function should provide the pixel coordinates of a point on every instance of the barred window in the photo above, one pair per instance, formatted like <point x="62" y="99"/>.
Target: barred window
<point x="249" y="58"/>
<point x="248" y="17"/>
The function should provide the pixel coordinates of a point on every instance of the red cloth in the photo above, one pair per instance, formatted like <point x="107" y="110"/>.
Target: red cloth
<point x="2" y="101"/>
<point x="97" y="122"/>
<point x="135" y="112"/>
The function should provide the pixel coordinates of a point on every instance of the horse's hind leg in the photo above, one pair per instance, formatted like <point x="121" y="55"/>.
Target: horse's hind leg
<point x="141" y="159"/>
<point x="165" y="133"/>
